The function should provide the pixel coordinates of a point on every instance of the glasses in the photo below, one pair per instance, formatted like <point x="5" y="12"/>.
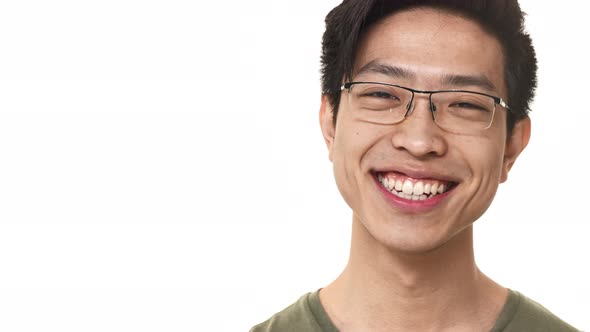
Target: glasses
<point x="456" y="111"/>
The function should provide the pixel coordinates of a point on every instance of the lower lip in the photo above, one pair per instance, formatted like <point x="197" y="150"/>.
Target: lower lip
<point x="411" y="206"/>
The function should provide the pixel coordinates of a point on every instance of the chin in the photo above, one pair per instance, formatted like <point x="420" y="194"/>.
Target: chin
<point x="413" y="246"/>
<point x="412" y="240"/>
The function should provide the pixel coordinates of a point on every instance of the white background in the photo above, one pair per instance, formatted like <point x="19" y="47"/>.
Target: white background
<point x="162" y="168"/>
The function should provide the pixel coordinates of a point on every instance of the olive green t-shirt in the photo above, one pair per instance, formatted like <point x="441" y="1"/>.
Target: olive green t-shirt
<point x="519" y="314"/>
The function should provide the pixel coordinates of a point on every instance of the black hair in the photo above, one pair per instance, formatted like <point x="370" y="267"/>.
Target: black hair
<point x="502" y="18"/>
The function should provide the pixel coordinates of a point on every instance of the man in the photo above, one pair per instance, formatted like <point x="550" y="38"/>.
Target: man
<point x="424" y="112"/>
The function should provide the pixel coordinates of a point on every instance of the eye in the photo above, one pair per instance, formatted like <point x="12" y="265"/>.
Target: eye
<point x="381" y="94"/>
<point x="469" y="106"/>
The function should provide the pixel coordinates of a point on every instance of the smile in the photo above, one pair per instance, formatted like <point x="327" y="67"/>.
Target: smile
<point x="412" y="189"/>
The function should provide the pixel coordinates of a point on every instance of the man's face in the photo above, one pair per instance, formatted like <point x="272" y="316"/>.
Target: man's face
<point x="454" y="175"/>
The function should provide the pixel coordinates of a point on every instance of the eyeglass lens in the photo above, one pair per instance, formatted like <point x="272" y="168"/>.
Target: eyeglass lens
<point x="452" y="110"/>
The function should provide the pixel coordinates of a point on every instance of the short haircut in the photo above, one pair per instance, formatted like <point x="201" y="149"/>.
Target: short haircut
<point x="501" y="18"/>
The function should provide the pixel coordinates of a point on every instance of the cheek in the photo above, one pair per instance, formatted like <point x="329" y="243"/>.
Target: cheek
<point x="351" y="146"/>
<point x="485" y="160"/>
<point x="353" y="141"/>
<point x="496" y="158"/>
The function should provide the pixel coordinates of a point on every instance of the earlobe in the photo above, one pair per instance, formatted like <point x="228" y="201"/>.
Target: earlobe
<point x="515" y="145"/>
<point x="327" y="124"/>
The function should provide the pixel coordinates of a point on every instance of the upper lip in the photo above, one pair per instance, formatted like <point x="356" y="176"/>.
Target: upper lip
<point x="419" y="173"/>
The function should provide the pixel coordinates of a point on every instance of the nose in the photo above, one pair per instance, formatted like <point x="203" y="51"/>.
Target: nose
<point x="418" y="134"/>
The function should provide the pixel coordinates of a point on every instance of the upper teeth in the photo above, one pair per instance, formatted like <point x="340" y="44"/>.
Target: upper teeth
<point x="415" y="190"/>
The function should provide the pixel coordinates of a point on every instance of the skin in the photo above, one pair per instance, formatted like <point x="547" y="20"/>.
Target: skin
<point x="414" y="270"/>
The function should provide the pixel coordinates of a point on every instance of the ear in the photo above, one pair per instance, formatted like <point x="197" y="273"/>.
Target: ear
<point x="515" y="145"/>
<point x="327" y="124"/>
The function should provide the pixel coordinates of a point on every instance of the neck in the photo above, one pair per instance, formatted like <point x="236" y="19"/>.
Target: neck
<point x="381" y="288"/>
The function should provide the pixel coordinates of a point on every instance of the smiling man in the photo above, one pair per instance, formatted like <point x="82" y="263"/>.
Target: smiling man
<point x="424" y="112"/>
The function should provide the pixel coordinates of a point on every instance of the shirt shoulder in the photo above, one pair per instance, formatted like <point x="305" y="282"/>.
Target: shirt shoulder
<point x="523" y="314"/>
<point x="299" y="316"/>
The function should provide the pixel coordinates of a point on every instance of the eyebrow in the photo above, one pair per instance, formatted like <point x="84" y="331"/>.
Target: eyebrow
<point x="480" y="81"/>
<point x="376" y="67"/>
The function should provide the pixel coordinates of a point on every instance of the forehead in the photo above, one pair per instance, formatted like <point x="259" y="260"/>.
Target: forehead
<point x="432" y="44"/>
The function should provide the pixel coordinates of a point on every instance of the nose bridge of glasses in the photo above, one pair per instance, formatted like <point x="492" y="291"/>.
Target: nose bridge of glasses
<point x="420" y="95"/>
